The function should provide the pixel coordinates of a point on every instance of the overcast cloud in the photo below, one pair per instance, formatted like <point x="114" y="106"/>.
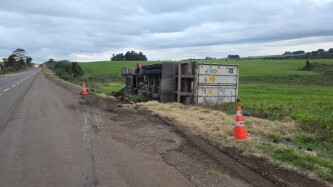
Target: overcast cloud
<point x="88" y="30"/>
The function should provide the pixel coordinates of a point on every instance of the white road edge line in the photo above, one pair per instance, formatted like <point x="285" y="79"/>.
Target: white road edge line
<point x="6" y="90"/>
<point x="13" y="86"/>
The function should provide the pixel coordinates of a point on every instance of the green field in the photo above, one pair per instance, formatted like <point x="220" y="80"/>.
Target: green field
<point x="106" y="72"/>
<point x="248" y="68"/>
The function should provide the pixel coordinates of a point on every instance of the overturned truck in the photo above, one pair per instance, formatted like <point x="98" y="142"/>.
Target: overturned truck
<point x="187" y="83"/>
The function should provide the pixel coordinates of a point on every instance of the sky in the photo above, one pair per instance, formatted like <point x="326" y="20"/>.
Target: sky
<point x="93" y="30"/>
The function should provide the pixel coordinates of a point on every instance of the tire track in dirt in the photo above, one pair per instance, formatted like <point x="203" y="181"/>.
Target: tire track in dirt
<point x="91" y="177"/>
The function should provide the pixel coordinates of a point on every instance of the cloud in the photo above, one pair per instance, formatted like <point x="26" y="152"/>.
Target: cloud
<point x="88" y="30"/>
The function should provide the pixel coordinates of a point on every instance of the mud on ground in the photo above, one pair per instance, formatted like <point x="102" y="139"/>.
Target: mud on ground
<point x="196" y="159"/>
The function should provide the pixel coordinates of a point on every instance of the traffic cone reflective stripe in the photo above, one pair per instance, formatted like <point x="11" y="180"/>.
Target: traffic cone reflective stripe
<point x="240" y="130"/>
<point x="84" y="90"/>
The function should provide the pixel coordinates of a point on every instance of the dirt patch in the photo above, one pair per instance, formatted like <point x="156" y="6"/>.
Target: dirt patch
<point x="209" y="174"/>
<point x="196" y="159"/>
<point x="145" y="133"/>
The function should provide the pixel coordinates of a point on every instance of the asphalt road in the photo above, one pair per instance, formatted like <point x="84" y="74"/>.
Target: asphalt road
<point x="55" y="138"/>
<point x="12" y="89"/>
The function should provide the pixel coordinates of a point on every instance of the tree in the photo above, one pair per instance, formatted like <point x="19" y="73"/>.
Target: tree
<point x="330" y="50"/>
<point x="142" y="57"/>
<point x="10" y="61"/>
<point x="76" y="70"/>
<point x="19" y="53"/>
<point x="28" y="60"/>
<point x="287" y="53"/>
<point x="314" y="53"/>
<point x="209" y="58"/>
<point x="129" y="56"/>
<point x="17" y="61"/>
<point x="233" y="56"/>
<point x="118" y="57"/>
<point x="50" y="61"/>
<point x="308" y="65"/>
<point x="321" y="51"/>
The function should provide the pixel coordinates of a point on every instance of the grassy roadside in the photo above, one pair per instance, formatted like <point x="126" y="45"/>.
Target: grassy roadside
<point x="49" y="72"/>
<point x="275" y="140"/>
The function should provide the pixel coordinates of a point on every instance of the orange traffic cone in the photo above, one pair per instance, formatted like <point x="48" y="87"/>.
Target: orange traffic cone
<point x="84" y="90"/>
<point x="240" y="131"/>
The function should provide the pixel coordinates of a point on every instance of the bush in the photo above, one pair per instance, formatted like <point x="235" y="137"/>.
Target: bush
<point x="65" y="70"/>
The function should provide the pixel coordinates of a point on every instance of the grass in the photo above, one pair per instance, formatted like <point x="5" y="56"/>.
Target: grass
<point x="301" y="103"/>
<point x="105" y="76"/>
<point x="250" y="70"/>
<point x="54" y="76"/>
<point x="273" y="68"/>
<point x="108" y="89"/>
<point x="323" y="167"/>
<point x="107" y="71"/>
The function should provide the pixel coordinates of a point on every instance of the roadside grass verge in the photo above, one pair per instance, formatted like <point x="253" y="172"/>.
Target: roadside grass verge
<point x="54" y="76"/>
<point x="321" y="166"/>
<point x="274" y="140"/>
<point x="109" y="89"/>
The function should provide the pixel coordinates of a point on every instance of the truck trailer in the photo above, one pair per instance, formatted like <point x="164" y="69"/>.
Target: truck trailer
<point x="184" y="82"/>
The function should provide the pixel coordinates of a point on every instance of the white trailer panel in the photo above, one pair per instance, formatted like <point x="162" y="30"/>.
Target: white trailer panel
<point x="212" y="91"/>
<point x="218" y="79"/>
<point x="216" y="84"/>
<point x="217" y="69"/>
<point x="215" y="100"/>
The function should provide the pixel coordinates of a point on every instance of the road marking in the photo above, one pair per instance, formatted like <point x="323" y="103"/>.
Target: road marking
<point x="20" y="81"/>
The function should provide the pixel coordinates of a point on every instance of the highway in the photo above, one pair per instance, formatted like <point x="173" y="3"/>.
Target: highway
<point x="12" y="90"/>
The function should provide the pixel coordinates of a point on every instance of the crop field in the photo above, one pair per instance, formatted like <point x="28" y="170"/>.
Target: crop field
<point x="106" y="72"/>
<point x="274" y="90"/>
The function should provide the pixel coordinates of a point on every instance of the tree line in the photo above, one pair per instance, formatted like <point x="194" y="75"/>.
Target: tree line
<point x="233" y="57"/>
<point x="294" y="53"/>
<point x="16" y="61"/>
<point x="320" y="53"/>
<point x="65" y="69"/>
<point x="129" y="56"/>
